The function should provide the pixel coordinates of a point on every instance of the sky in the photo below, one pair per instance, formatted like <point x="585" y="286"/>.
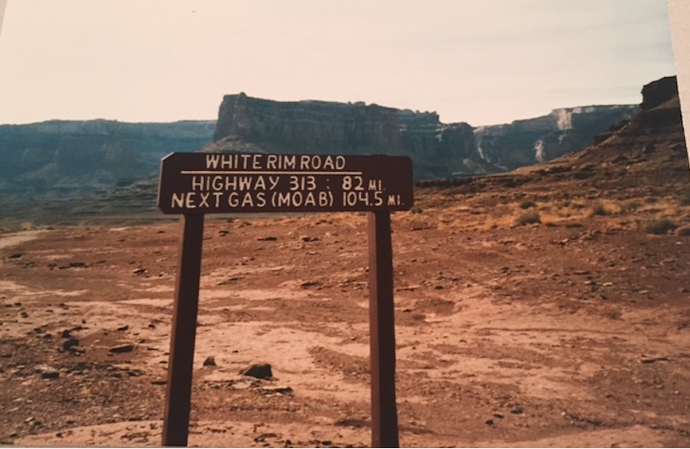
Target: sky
<point x="478" y="61"/>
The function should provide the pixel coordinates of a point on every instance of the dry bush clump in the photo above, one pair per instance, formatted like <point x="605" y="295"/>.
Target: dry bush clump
<point x="684" y="198"/>
<point x="683" y="230"/>
<point x="528" y="218"/>
<point x="603" y="208"/>
<point x="659" y="226"/>
<point x="630" y="206"/>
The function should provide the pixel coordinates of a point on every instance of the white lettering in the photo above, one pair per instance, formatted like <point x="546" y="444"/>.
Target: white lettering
<point x="261" y="199"/>
<point x="189" y="201"/>
<point x="233" y="199"/>
<point x="271" y="162"/>
<point x="304" y="162"/>
<point x="247" y="200"/>
<point x="256" y="162"/>
<point x="212" y="160"/>
<point x="178" y="200"/>
<point x="273" y="180"/>
<point x="197" y="182"/>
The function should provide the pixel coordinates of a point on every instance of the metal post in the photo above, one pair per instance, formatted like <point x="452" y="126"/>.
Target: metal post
<point x="384" y="416"/>
<point x="180" y="365"/>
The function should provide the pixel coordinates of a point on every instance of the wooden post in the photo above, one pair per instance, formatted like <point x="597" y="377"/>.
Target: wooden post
<point x="384" y="415"/>
<point x="185" y="309"/>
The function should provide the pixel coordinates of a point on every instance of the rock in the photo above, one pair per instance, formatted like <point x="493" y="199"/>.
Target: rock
<point x="277" y="390"/>
<point x="648" y="148"/>
<point x="517" y="410"/>
<point x="48" y="372"/>
<point x="310" y="284"/>
<point x="210" y="361"/>
<point x="123" y="328"/>
<point x="541" y="139"/>
<point x="650" y="360"/>
<point x="267" y="239"/>
<point x="658" y="92"/>
<point x="15" y="256"/>
<point x="70" y="343"/>
<point x="258" y="370"/>
<point x="139" y="271"/>
<point x="119" y="349"/>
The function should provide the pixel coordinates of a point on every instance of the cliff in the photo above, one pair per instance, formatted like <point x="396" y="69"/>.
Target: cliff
<point x="437" y="149"/>
<point x="79" y="156"/>
<point x="643" y="157"/>
<point x="563" y="131"/>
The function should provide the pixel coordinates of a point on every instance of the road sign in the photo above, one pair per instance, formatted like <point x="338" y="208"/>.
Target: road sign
<point x="195" y="184"/>
<point x="204" y="183"/>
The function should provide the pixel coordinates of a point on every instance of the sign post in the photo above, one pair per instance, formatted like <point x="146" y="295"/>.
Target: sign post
<point x="185" y="309"/>
<point x="384" y="416"/>
<point x="195" y="184"/>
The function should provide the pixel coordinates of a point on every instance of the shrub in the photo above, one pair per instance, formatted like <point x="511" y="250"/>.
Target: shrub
<point x="527" y="204"/>
<point x="528" y="218"/>
<point x="631" y="206"/>
<point x="599" y="209"/>
<point x="684" y="199"/>
<point x="659" y="227"/>
<point x="603" y="208"/>
<point x="684" y="231"/>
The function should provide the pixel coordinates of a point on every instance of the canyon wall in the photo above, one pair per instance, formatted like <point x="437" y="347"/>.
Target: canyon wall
<point x="526" y="142"/>
<point x="437" y="149"/>
<point x="83" y="156"/>
<point x="79" y="156"/>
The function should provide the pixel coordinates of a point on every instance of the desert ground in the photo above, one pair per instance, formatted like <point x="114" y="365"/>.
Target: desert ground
<point x="552" y="314"/>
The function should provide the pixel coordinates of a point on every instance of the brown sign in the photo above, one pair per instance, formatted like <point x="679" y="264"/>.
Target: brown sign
<point x="205" y="183"/>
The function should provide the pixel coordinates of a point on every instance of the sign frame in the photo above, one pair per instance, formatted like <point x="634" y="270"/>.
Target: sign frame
<point x="258" y="182"/>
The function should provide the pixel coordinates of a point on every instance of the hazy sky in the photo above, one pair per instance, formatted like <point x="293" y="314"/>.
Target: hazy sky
<point x="479" y="61"/>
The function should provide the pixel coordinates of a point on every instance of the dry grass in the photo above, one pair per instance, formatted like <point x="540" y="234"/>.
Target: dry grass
<point x="528" y="218"/>
<point x="659" y="226"/>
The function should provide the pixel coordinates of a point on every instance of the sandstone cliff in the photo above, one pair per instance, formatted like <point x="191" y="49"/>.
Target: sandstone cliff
<point x="79" y="156"/>
<point x="438" y="150"/>
<point x="253" y="124"/>
<point x="526" y="142"/>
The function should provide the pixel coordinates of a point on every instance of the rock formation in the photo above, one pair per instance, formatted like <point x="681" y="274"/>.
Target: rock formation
<point x="80" y="156"/>
<point x="253" y="124"/>
<point x="526" y="142"/>
<point x="437" y="149"/>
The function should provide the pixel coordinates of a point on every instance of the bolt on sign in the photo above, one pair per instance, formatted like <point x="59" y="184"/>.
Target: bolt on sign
<point x="195" y="184"/>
